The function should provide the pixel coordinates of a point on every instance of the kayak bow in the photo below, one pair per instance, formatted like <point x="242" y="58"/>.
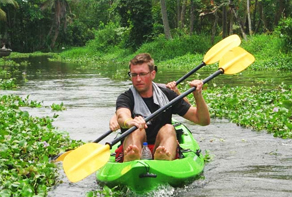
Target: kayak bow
<point x="146" y="175"/>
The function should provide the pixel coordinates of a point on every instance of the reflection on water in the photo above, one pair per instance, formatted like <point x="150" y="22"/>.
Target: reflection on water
<point x="244" y="162"/>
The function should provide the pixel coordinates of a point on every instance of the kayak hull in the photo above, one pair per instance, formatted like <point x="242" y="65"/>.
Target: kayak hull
<point x="146" y="175"/>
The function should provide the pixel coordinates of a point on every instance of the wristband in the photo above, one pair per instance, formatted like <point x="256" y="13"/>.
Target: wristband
<point x="125" y="122"/>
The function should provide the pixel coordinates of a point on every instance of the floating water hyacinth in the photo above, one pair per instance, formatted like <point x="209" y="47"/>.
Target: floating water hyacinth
<point x="276" y="109"/>
<point x="254" y="107"/>
<point x="46" y="144"/>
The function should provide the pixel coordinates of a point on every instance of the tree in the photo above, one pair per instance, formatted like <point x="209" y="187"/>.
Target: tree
<point x="60" y="9"/>
<point x="231" y="21"/>
<point x="165" y="20"/>
<point x="30" y="28"/>
<point x="136" y="15"/>
<point x="248" y="17"/>
<point x="183" y="14"/>
<point x="280" y="11"/>
<point x="192" y="17"/>
<point x="239" y="23"/>
<point x="224" y="21"/>
<point x="177" y="12"/>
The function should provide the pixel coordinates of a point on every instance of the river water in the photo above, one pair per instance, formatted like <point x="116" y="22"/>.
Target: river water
<point x="244" y="162"/>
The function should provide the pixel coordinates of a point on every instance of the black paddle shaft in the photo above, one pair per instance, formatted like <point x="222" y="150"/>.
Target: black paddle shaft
<point x="190" y="73"/>
<point x="164" y="108"/>
<point x="102" y="136"/>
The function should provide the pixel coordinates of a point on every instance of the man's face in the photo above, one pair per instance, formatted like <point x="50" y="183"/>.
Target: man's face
<point x="142" y="77"/>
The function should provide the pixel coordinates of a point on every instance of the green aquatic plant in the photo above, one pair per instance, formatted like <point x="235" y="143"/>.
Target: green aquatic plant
<point x="26" y="145"/>
<point x="58" y="107"/>
<point x="8" y="84"/>
<point x="106" y="191"/>
<point x="208" y="157"/>
<point x="254" y="107"/>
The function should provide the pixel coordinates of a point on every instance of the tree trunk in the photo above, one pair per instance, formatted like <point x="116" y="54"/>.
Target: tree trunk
<point x="54" y="38"/>
<point x="224" y="22"/>
<point x="263" y="17"/>
<point x="177" y="12"/>
<point x="214" y="27"/>
<point x="192" y="17"/>
<point x="260" y="18"/>
<point x="239" y="23"/>
<point x="231" y="17"/>
<point x="279" y="12"/>
<point x="254" y="15"/>
<point x="165" y="20"/>
<point x="248" y="16"/>
<point x="183" y="13"/>
<point x="48" y="35"/>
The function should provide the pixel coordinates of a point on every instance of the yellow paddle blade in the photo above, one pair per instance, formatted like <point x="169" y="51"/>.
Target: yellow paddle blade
<point x="62" y="156"/>
<point x="219" y="49"/>
<point x="236" y="60"/>
<point x="85" y="160"/>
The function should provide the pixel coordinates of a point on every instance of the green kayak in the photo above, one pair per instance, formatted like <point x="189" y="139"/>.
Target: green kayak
<point x="146" y="175"/>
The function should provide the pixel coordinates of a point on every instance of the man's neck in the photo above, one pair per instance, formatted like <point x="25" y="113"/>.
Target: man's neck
<point x="147" y="94"/>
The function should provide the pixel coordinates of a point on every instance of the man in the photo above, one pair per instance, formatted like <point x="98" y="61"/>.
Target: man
<point x="145" y="97"/>
<point x="113" y="123"/>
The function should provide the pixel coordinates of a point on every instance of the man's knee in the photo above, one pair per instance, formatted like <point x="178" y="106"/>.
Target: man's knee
<point x="138" y="134"/>
<point x="168" y="129"/>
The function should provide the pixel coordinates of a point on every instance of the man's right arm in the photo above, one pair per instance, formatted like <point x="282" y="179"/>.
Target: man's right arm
<point x="124" y="117"/>
<point x="126" y="121"/>
<point x="123" y="109"/>
<point x="124" y="114"/>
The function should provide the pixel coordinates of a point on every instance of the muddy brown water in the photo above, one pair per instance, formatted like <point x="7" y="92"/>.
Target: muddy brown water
<point x="243" y="162"/>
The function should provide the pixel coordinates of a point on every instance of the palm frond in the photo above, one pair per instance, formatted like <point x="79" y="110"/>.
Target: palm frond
<point x="12" y="2"/>
<point x="2" y="15"/>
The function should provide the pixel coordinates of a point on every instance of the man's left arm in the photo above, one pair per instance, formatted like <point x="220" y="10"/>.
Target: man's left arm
<point x="199" y="114"/>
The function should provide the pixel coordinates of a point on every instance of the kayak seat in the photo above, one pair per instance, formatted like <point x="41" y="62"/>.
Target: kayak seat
<point x="179" y="133"/>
